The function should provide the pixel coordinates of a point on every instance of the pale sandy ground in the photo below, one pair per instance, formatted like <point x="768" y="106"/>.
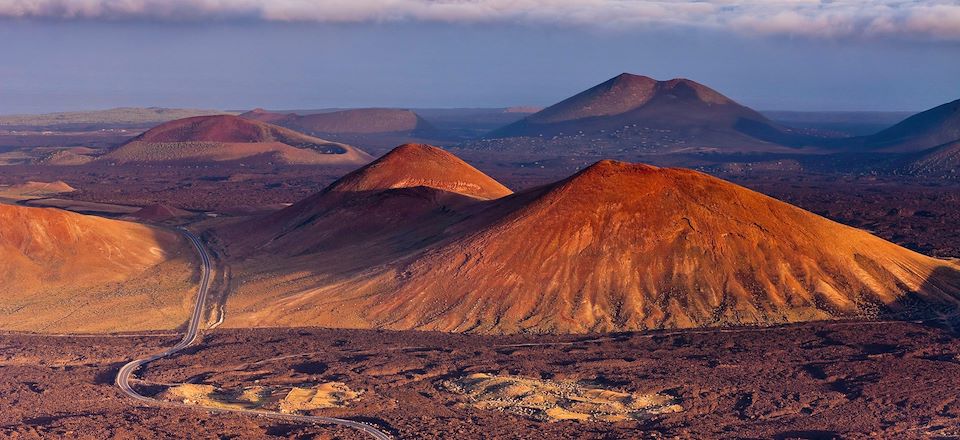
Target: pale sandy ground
<point x="288" y="400"/>
<point x="559" y="400"/>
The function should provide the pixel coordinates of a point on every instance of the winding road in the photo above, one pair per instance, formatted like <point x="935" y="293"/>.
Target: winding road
<point x="192" y="336"/>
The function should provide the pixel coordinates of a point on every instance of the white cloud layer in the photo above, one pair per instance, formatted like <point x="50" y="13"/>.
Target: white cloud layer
<point x="926" y="19"/>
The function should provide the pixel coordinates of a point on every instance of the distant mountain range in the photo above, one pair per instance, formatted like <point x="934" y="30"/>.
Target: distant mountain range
<point x="123" y="117"/>
<point x="352" y="121"/>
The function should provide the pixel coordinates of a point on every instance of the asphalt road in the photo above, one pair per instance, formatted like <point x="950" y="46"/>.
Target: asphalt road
<point x="191" y="337"/>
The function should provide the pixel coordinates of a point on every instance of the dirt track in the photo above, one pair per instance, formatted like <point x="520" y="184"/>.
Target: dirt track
<point x="190" y="338"/>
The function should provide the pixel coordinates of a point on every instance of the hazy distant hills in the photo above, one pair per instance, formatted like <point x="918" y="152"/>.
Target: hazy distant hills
<point x="628" y="117"/>
<point x="838" y="123"/>
<point x="226" y="138"/>
<point x="421" y="240"/>
<point x="123" y="117"/>
<point x="352" y="121"/>
<point x="472" y="123"/>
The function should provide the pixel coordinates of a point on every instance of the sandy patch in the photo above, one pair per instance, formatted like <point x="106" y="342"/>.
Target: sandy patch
<point x="208" y="395"/>
<point x="285" y="399"/>
<point x="558" y="400"/>
<point x="325" y="395"/>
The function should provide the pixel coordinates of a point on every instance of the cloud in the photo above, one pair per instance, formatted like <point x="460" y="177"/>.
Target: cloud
<point x="924" y="19"/>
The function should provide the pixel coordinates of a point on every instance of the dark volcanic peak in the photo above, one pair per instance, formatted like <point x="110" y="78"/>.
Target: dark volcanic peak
<point x="674" y="113"/>
<point x="934" y="127"/>
<point x="615" y="96"/>
<point x="627" y="92"/>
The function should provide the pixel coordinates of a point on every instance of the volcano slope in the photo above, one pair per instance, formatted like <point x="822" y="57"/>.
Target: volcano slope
<point x="225" y="138"/>
<point x="939" y="162"/>
<point x="394" y="205"/>
<point x="615" y="247"/>
<point x="66" y="272"/>
<point x="928" y="129"/>
<point x="637" y="107"/>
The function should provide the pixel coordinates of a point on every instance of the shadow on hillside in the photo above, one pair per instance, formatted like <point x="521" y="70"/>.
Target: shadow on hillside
<point x="936" y="304"/>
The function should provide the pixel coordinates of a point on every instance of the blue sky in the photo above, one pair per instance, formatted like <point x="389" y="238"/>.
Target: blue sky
<point x="403" y="54"/>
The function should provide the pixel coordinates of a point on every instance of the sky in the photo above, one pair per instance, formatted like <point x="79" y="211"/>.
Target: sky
<point x="64" y="55"/>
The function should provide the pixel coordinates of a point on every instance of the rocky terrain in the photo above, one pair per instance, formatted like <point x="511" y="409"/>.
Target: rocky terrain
<point x="938" y="162"/>
<point x="839" y="380"/>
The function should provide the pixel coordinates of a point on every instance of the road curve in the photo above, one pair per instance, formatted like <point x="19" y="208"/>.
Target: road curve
<point x="191" y="337"/>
